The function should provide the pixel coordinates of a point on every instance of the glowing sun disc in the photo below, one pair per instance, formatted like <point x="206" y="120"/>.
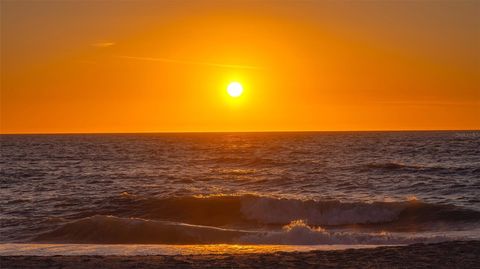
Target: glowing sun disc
<point x="235" y="89"/>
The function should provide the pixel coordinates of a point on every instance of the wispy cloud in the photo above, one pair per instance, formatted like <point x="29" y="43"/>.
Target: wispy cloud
<point x="86" y="62"/>
<point x="167" y="60"/>
<point x="103" y="44"/>
<point x="431" y="103"/>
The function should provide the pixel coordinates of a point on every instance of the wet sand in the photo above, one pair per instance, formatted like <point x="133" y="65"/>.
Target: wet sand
<point x="456" y="254"/>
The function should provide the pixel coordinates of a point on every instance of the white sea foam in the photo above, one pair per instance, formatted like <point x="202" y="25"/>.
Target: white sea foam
<point x="299" y="233"/>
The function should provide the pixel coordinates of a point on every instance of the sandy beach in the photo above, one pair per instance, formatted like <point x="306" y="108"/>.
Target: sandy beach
<point x="457" y="254"/>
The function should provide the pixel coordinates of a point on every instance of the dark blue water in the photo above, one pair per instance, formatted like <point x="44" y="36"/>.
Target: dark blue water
<point x="288" y="188"/>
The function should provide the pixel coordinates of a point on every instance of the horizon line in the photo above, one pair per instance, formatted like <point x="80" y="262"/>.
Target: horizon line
<point x="261" y="131"/>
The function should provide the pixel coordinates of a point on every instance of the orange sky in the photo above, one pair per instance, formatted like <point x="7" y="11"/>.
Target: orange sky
<point x="154" y="66"/>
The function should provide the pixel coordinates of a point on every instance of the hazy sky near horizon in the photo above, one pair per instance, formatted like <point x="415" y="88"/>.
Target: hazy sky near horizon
<point x="148" y="66"/>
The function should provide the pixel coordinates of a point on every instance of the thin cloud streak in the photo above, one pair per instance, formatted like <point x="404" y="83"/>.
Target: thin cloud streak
<point x="103" y="44"/>
<point x="167" y="60"/>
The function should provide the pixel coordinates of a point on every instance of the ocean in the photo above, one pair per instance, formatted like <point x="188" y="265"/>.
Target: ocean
<point x="278" y="188"/>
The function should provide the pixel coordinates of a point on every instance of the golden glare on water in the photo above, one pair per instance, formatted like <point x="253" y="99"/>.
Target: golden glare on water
<point x="158" y="249"/>
<point x="235" y="89"/>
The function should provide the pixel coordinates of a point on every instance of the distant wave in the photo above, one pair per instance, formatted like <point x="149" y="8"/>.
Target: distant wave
<point x="393" y="167"/>
<point x="252" y="210"/>
<point x="390" y="166"/>
<point x="114" y="230"/>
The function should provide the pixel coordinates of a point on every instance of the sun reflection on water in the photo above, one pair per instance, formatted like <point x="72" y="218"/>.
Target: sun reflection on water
<point x="153" y="249"/>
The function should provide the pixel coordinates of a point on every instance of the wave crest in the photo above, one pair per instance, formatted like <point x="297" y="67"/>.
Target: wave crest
<point x="282" y="211"/>
<point x="251" y="210"/>
<point x="114" y="230"/>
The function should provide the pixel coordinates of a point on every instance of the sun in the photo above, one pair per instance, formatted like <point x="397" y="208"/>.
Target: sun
<point x="235" y="89"/>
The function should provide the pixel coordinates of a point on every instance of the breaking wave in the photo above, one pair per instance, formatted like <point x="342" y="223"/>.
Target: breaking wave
<point x="250" y="219"/>
<point x="114" y="230"/>
<point x="299" y="233"/>
<point x="254" y="210"/>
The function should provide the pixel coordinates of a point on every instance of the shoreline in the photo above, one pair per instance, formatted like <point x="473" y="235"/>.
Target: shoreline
<point x="450" y="254"/>
<point x="46" y="249"/>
